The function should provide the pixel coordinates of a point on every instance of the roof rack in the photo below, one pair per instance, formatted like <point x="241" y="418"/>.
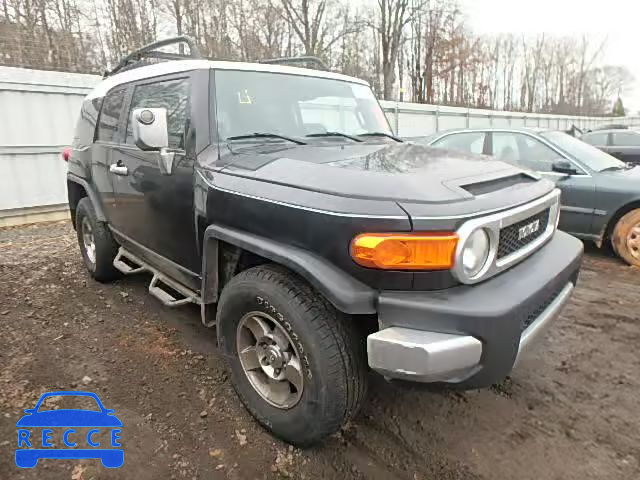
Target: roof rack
<point x="151" y="51"/>
<point x="305" y="59"/>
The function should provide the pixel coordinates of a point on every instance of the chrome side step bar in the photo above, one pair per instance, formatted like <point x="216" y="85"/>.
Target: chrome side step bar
<point x="129" y="264"/>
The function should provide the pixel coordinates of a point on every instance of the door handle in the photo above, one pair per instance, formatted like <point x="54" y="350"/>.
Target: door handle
<point x="118" y="169"/>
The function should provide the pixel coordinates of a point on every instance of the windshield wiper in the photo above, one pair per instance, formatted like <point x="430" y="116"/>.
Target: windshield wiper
<point x="334" y="134"/>
<point x="381" y="134"/>
<point x="614" y="168"/>
<point x="266" y="135"/>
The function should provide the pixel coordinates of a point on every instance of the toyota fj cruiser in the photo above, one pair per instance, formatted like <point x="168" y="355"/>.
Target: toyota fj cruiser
<point x="316" y="242"/>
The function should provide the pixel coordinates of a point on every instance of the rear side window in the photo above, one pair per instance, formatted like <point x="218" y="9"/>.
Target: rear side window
<point x="626" y="139"/>
<point x="87" y="122"/>
<point x="598" y="139"/>
<point x="472" y="142"/>
<point x="505" y="147"/>
<point x="110" y="115"/>
<point x="173" y="95"/>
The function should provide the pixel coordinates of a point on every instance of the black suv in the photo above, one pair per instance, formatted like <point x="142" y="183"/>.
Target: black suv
<point x="315" y="241"/>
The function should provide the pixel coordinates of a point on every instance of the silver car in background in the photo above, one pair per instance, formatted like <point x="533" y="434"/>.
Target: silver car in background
<point x="600" y="194"/>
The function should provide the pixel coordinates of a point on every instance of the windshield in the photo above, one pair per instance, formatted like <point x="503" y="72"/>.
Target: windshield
<point x="583" y="152"/>
<point x="294" y="106"/>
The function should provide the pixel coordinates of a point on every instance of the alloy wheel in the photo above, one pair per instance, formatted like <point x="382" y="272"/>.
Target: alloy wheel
<point x="633" y="241"/>
<point x="88" y="240"/>
<point x="270" y="359"/>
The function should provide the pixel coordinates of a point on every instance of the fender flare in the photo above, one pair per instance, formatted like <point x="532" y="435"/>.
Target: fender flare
<point x="346" y="293"/>
<point x="93" y="196"/>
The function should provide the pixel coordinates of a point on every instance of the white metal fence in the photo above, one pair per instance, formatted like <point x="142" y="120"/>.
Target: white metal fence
<point x="414" y="119"/>
<point x="38" y="111"/>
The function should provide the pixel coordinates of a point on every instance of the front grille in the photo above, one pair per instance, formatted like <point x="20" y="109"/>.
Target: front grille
<point x="531" y="316"/>
<point x="511" y="239"/>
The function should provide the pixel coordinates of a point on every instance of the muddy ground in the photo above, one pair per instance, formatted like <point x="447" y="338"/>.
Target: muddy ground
<point x="571" y="410"/>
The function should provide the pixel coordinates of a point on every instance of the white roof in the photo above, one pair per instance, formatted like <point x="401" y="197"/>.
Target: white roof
<point x="177" y="66"/>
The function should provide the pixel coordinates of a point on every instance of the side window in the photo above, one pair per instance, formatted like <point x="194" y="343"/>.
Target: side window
<point x="110" y="115"/>
<point x="172" y="95"/>
<point x="87" y="122"/>
<point x="471" y="142"/>
<point x="505" y="147"/>
<point x="536" y="155"/>
<point x="626" y="139"/>
<point x="597" y="139"/>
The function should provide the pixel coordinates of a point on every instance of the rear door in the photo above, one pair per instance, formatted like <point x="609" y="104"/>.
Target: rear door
<point x="578" y="191"/>
<point x="156" y="210"/>
<point x="108" y="135"/>
<point x="625" y="145"/>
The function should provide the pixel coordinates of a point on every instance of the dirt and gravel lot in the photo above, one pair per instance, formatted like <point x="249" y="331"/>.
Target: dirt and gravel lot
<point x="571" y="410"/>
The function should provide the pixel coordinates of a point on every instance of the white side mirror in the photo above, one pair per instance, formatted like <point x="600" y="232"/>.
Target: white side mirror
<point x="150" y="128"/>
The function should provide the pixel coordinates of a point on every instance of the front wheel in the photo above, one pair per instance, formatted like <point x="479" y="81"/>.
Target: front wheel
<point x="626" y="238"/>
<point x="296" y="363"/>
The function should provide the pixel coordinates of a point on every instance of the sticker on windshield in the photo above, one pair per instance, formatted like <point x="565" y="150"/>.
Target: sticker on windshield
<point x="244" y="98"/>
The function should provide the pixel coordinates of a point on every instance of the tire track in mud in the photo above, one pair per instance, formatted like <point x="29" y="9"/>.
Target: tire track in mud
<point x="570" y="411"/>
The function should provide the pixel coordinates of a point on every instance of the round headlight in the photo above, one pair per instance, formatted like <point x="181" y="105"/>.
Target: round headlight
<point x="475" y="252"/>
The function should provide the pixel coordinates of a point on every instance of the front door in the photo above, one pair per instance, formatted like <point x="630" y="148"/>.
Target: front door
<point x="156" y="210"/>
<point x="578" y="201"/>
<point x="578" y="191"/>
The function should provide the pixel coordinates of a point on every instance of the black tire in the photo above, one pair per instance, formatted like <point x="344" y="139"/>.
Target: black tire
<point x="106" y="248"/>
<point x="626" y="238"/>
<point x="334" y="354"/>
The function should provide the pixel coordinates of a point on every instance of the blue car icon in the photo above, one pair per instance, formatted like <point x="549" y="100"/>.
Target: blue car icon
<point x="29" y="452"/>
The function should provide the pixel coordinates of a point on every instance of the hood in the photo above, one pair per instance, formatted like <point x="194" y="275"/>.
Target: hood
<point x="631" y="174"/>
<point x="621" y="181"/>
<point x="406" y="173"/>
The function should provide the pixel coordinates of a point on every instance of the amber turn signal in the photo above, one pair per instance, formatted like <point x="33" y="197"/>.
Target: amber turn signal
<point x="408" y="251"/>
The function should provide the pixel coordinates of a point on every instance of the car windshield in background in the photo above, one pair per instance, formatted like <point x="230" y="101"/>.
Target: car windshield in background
<point x="592" y="157"/>
<point x="295" y="106"/>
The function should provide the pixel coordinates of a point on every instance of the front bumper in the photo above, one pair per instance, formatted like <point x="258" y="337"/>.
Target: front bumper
<point x="473" y="335"/>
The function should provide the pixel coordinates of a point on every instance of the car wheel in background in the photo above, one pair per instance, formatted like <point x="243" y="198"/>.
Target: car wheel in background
<point x="97" y="246"/>
<point x="296" y="363"/>
<point x="626" y="238"/>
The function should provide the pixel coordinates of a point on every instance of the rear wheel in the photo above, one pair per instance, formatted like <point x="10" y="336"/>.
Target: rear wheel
<point x="296" y="363"/>
<point x="626" y="238"/>
<point x="97" y="246"/>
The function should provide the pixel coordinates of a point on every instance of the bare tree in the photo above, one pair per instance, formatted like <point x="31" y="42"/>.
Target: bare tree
<point x="603" y="85"/>
<point x="44" y="34"/>
<point x="317" y="24"/>
<point x="588" y="56"/>
<point x="423" y="46"/>
<point x="532" y="69"/>
<point x="394" y="15"/>
<point x="128" y="24"/>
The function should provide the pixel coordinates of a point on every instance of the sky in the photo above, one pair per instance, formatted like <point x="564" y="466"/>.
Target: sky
<point x="616" y="20"/>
